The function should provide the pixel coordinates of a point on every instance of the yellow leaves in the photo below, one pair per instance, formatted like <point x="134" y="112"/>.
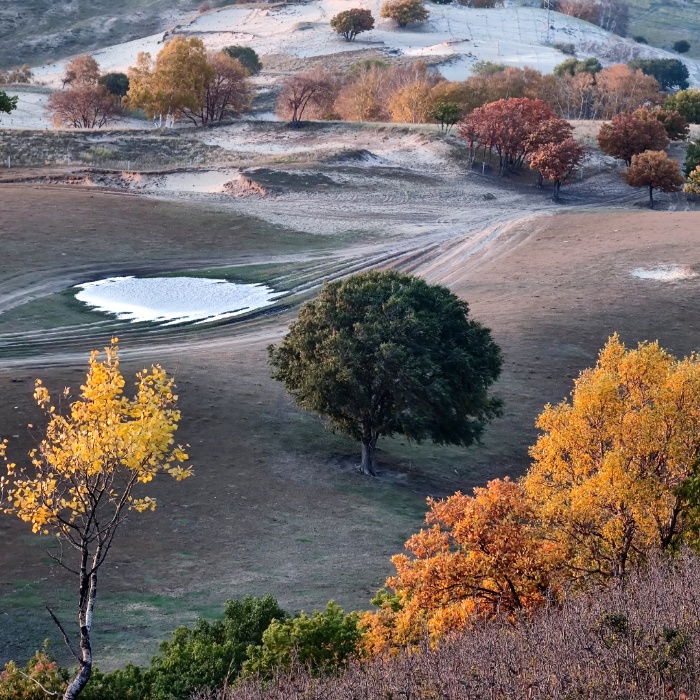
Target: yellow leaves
<point x="610" y="460"/>
<point x="143" y="504"/>
<point x="96" y="452"/>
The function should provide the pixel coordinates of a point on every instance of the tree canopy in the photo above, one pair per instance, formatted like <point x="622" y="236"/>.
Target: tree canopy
<point x="7" y="103"/>
<point x="405" y="12"/>
<point x="350" y="23"/>
<point x="627" y="135"/>
<point x="247" y="56"/>
<point x="671" y="73"/>
<point x="381" y="353"/>
<point x="687" y="103"/>
<point x="655" y="171"/>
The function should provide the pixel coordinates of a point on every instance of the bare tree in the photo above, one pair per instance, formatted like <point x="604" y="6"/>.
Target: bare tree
<point x="300" y="91"/>
<point x="83" y="106"/>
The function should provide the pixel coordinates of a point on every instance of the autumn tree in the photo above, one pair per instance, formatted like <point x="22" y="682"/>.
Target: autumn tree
<point x="350" y="23"/>
<point x="676" y="126"/>
<point x="405" y="12"/>
<point x="7" y="103"/>
<point x="227" y="92"/>
<point x="620" y="89"/>
<point x="247" y="56"/>
<point x="478" y="556"/>
<point x="411" y="104"/>
<point x="692" y="186"/>
<point x="83" y="477"/>
<point x="557" y="161"/>
<point x="82" y="69"/>
<point x="687" y="103"/>
<point x="611" y="466"/>
<point x="173" y="85"/>
<point x="82" y="106"/>
<point x="507" y="127"/>
<point x="381" y="354"/>
<point x="303" y="91"/>
<point x="656" y="171"/>
<point x="626" y="136"/>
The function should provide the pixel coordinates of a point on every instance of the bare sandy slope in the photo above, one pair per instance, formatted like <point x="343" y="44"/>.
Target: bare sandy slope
<point x="276" y="505"/>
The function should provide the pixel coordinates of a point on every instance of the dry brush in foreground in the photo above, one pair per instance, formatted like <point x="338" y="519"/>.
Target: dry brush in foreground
<point x="640" y="640"/>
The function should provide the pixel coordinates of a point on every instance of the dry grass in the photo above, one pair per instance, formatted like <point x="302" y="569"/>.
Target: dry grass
<point x="628" y="643"/>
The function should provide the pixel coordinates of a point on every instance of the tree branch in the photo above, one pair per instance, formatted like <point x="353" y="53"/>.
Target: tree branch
<point x="34" y="680"/>
<point x="65" y="636"/>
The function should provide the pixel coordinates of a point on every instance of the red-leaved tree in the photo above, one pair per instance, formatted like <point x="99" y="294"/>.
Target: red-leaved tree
<point x="656" y="171"/>
<point x="626" y="136"/>
<point x="557" y="161"/>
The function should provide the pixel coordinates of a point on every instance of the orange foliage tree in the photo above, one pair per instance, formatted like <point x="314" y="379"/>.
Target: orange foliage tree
<point x="676" y="125"/>
<point x="83" y="106"/>
<point x="480" y="555"/>
<point x="612" y="465"/>
<point x="557" y="161"/>
<point x="620" y="89"/>
<point x="626" y="136"/>
<point x="656" y="171"/>
<point x="81" y="69"/>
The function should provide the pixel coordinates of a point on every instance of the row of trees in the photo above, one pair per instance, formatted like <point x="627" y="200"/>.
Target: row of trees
<point x="379" y="91"/>
<point x="183" y="82"/>
<point x="611" y="15"/>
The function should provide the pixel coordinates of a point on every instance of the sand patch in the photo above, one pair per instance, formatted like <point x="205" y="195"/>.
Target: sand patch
<point x="664" y="273"/>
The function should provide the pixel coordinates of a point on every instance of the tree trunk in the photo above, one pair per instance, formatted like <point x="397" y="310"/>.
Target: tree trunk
<point x="555" y="194"/>
<point x="369" y="445"/>
<point x="651" y="196"/>
<point x="88" y="593"/>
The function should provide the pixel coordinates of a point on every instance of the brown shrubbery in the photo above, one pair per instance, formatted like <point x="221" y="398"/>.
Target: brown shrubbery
<point x="640" y="640"/>
<point x="376" y="91"/>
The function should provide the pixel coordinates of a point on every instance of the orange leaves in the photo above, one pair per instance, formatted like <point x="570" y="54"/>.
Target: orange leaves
<point x="481" y="555"/>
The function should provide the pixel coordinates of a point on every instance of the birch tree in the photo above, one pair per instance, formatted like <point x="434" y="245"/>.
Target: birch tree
<point x="82" y="480"/>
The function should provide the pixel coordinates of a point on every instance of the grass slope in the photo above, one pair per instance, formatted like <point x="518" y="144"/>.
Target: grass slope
<point x="662" y="22"/>
<point x="35" y="31"/>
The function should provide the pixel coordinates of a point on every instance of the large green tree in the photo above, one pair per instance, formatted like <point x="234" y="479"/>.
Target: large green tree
<point x="381" y="353"/>
<point x="7" y="103"/>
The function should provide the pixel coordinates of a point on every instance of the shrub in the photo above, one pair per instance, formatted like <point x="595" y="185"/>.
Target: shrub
<point x="634" y="641"/>
<point x="247" y="56"/>
<point x="568" y="49"/>
<point x="574" y="66"/>
<point x="23" y="684"/>
<point x="405" y="12"/>
<point x="350" y="23"/>
<point x="324" y="642"/>
<point x="681" y="46"/>
<point x="687" y="103"/>
<point x="487" y="68"/>
<point x="692" y="158"/>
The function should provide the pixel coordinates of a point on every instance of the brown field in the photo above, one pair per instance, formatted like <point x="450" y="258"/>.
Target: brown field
<point x="276" y="505"/>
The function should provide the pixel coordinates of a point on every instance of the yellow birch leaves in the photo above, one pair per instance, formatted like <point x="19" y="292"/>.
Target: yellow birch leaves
<point x="95" y="452"/>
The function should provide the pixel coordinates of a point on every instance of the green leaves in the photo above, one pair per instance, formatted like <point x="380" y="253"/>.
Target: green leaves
<point x="382" y="353"/>
<point x="7" y="103"/>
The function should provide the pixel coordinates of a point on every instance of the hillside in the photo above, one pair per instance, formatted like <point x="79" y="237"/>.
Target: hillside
<point x="34" y="31"/>
<point x="661" y="22"/>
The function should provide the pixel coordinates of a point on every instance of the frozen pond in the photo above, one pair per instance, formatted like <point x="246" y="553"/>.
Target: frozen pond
<point x="173" y="299"/>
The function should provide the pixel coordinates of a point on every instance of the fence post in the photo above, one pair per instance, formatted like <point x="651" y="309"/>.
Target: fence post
<point x="9" y="161"/>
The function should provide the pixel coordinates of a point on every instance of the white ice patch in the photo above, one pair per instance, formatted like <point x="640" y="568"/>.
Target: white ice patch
<point x="664" y="273"/>
<point x="173" y="299"/>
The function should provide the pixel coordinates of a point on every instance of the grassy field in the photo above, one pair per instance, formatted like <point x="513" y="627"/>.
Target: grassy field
<point x="662" y="22"/>
<point x="276" y="505"/>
